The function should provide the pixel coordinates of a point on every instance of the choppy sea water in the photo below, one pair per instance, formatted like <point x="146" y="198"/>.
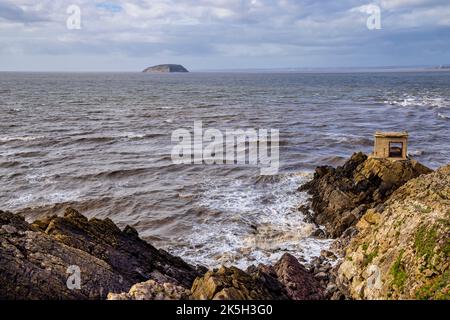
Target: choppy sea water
<point x="102" y="143"/>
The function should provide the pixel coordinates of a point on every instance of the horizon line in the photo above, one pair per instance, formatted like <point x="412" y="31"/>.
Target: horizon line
<point x="438" y="68"/>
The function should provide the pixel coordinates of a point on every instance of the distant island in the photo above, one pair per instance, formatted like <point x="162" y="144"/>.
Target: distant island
<point x="166" y="68"/>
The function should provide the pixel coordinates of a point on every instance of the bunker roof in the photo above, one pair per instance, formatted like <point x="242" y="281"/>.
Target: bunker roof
<point x="403" y="134"/>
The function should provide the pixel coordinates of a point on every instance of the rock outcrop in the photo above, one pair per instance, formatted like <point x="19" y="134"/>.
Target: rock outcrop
<point x="341" y="196"/>
<point x="300" y="284"/>
<point x="165" y="68"/>
<point x="287" y="279"/>
<point x="230" y="284"/>
<point x="152" y="290"/>
<point x="391" y="220"/>
<point x="42" y="260"/>
<point x="402" y="249"/>
<point x="39" y="260"/>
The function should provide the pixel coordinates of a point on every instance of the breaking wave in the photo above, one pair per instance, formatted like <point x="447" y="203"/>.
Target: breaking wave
<point x="419" y="101"/>
<point x="244" y="223"/>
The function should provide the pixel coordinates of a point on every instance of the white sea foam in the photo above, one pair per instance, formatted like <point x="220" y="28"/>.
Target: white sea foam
<point x="256" y="223"/>
<point x="42" y="198"/>
<point x="443" y="116"/>
<point x="133" y="135"/>
<point x="415" y="152"/>
<point x="341" y="138"/>
<point x="19" y="138"/>
<point x="419" y="101"/>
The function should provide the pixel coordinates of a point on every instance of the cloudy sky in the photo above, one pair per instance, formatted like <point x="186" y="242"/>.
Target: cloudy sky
<point x="221" y="34"/>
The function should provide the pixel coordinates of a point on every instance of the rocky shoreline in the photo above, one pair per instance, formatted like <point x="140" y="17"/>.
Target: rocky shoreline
<point x="390" y="221"/>
<point x="391" y="225"/>
<point x="37" y="261"/>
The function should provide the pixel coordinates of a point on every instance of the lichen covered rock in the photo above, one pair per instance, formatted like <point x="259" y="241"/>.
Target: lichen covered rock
<point x="152" y="290"/>
<point x="402" y="250"/>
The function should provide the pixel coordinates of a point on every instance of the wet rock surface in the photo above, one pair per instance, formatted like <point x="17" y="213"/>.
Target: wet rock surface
<point x="35" y="258"/>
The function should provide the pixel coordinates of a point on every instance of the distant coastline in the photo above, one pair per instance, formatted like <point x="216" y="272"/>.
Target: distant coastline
<point x="333" y="70"/>
<point x="385" y="69"/>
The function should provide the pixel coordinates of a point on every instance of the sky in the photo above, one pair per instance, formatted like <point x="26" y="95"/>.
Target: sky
<point x="221" y="34"/>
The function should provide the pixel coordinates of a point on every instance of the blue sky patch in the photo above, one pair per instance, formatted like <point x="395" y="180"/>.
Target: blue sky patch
<point x="109" y="6"/>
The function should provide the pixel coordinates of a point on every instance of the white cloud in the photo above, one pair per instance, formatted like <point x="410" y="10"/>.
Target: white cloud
<point x="216" y="29"/>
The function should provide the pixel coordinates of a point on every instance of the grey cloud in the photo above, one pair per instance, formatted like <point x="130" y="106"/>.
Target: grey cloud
<point x="229" y="31"/>
<point x="11" y="12"/>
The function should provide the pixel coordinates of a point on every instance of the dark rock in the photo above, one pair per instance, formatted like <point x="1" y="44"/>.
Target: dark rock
<point x="299" y="283"/>
<point x="287" y="279"/>
<point x="328" y="254"/>
<point x="268" y="277"/>
<point x="319" y="233"/>
<point x="307" y="213"/>
<point x="341" y="196"/>
<point x="230" y="284"/>
<point x="132" y="232"/>
<point x="331" y="288"/>
<point x="321" y="276"/>
<point x="337" y="295"/>
<point x="166" y="68"/>
<point x="35" y="259"/>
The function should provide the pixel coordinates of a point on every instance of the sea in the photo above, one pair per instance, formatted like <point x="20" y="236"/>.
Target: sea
<point x="102" y="144"/>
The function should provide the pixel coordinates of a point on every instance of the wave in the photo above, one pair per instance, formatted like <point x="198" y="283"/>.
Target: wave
<point x="20" y="138"/>
<point x="154" y="135"/>
<point x="30" y="154"/>
<point x="337" y="138"/>
<point x="42" y="199"/>
<point x="333" y="160"/>
<point x="133" y="135"/>
<point x="419" y="101"/>
<point x="9" y="164"/>
<point x="38" y="208"/>
<point x="92" y="140"/>
<point x="113" y="174"/>
<point x="443" y="116"/>
<point x="248" y="221"/>
<point x="416" y="152"/>
<point x="111" y="138"/>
